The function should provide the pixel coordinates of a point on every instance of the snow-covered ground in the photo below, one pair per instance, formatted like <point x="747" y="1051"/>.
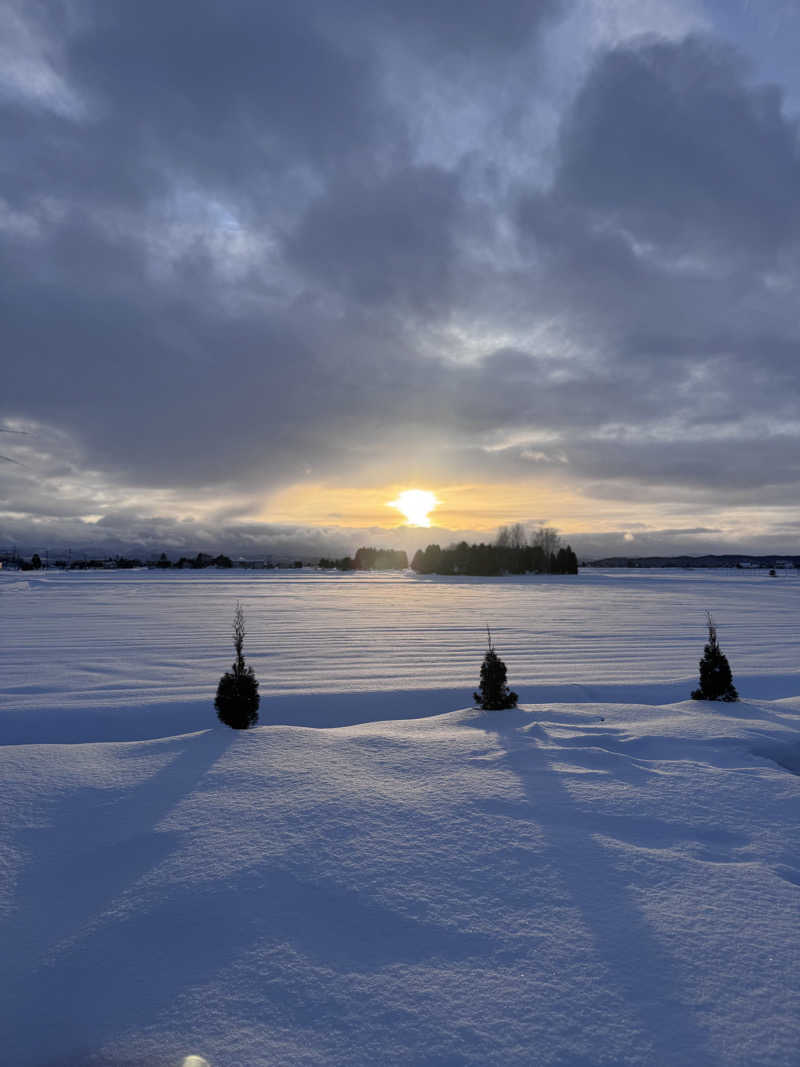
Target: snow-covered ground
<point x="135" y="655"/>
<point x="609" y="874"/>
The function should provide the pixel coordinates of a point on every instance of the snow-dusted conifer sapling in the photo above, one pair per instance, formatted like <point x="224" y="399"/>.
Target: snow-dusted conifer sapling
<point x="494" y="694"/>
<point x="716" y="680"/>
<point x="237" y="693"/>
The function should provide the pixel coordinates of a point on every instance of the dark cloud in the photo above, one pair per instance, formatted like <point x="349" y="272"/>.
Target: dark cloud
<point x="450" y="47"/>
<point x="385" y="242"/>
<point x="231" y="260"/>
<point x="470" y="24"/>
<point x="694" y="541"/>
<point x="199" y="92"/>
<point x="672" y="143"/>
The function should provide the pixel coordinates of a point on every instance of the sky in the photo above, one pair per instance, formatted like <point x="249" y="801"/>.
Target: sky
<point x="263" y="266"/>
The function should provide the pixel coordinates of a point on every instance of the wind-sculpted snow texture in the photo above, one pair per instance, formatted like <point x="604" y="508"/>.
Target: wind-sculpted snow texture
<point x="583" y="880"/>
<point x="137" y="655"/>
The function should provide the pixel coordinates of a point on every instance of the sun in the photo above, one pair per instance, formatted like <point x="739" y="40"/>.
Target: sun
<point x="415" y="505"/>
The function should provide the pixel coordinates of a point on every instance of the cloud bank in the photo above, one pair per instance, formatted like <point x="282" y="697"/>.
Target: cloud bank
<point x="256" y="246"/>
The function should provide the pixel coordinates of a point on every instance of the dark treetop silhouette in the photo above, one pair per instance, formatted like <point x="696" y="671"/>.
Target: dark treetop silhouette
<point x="494" y="694"/>
<point x="716" y="680"/>
<point x="237" y="693"/>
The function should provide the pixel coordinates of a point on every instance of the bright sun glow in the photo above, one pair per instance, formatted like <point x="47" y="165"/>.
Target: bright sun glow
<point x="415" y="505"/>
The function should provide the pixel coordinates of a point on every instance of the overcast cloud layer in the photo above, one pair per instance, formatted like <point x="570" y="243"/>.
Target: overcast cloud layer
<point x="252" y="245"/>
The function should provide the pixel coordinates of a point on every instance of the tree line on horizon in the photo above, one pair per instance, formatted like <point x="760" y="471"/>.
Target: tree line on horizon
<point x="511" y="553"/>
<point x="369" y="559"/>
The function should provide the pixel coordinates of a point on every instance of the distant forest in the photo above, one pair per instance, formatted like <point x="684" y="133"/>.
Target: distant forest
<point x="369" y="559"/>
<point x="511" y="553"/>
<point x="495" y="559"/>
<point x="741" y="562"/>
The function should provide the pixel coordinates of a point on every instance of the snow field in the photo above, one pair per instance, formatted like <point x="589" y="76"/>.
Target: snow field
<point x="573" y="882"/>
<point x="135" y="655"/>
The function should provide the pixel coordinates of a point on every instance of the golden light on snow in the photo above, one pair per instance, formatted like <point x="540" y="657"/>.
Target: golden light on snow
<point x="415" y="504"/>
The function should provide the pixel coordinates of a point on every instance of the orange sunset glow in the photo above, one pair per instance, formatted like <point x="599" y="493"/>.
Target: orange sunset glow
<point x="475" y="507"/>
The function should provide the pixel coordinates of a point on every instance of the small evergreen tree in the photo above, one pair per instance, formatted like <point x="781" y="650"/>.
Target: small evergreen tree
<point x="237" y="697"/>
<point x="716" y="680"/>
<point x="494" y="694"/>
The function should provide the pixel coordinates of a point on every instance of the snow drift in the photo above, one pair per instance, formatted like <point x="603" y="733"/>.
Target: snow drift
<point x="570" y="882"/>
